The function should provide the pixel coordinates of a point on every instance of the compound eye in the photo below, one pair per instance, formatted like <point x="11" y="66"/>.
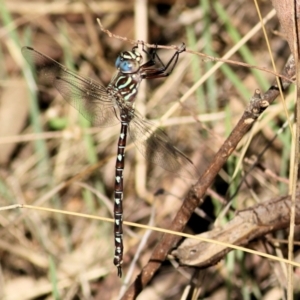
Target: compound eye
<point x="118" y="62"/>
<point x="126" y="65"/>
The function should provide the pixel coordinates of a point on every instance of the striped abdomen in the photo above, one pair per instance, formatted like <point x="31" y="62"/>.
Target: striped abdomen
<point x="118" y="198"/>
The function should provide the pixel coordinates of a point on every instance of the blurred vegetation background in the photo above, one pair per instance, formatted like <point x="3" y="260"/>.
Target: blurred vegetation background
<point x="45" y="142"/>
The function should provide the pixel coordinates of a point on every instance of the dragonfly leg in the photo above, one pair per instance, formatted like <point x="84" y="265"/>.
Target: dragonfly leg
<point x="150" y="73"/>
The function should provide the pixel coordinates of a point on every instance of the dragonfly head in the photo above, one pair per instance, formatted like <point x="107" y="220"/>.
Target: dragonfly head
<point x="129" y="61"/>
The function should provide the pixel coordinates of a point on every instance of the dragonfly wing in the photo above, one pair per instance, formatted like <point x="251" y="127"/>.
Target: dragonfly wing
<point x="87" y="101"/>
<point x="156" y="146"/>
<point x="87" y="96"/>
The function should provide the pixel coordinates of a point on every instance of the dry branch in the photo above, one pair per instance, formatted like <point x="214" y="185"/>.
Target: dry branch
<point x="247" y="225"/>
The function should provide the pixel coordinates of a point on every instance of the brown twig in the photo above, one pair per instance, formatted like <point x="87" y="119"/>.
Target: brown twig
<point x="249" y="224"/>
<point x="134" y="42"/>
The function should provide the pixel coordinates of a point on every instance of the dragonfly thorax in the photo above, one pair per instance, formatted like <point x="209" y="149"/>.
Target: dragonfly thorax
<point x="124" y="85"/>
<point x="129" y="61"/>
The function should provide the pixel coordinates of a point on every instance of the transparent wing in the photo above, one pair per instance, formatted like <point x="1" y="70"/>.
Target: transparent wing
<point x="87" y="96"/>
<point x="156" y="146"/>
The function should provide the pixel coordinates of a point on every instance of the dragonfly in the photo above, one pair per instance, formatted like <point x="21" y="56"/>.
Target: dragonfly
<point x="113" y="104"/>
